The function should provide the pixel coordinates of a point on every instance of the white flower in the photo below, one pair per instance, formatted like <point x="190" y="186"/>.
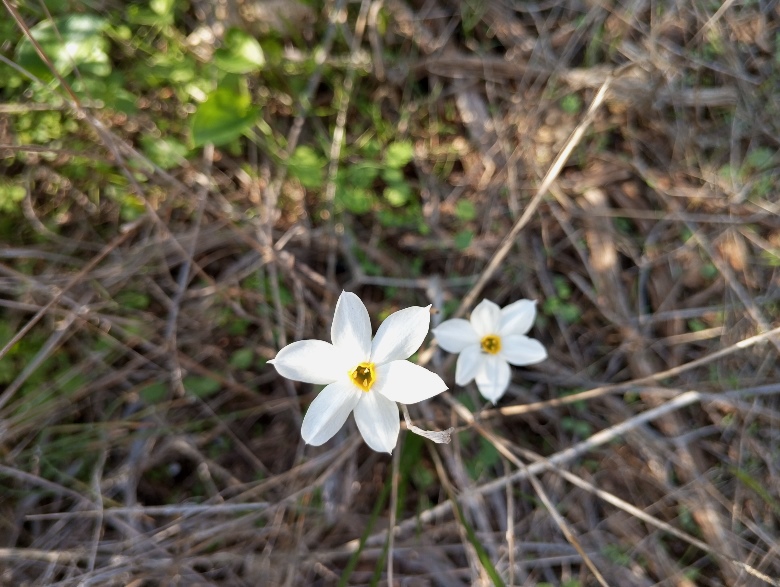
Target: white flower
<point x="360" y="374"/>
<point x="489" y="342"/>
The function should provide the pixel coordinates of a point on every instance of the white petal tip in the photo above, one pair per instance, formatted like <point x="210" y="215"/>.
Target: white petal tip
<point x="271" y="361"/>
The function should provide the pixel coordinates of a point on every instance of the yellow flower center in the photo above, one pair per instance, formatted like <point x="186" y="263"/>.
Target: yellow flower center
<point x="491" y="343"/>
<point x="364" y="376"/>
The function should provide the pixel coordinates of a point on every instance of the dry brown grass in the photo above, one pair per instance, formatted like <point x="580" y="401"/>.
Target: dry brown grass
<point x="622" y="160"/>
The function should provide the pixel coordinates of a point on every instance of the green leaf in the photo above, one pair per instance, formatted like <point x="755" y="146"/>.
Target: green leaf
<point x="240" y="53"/>
<point x="482" y="554"/>
<point x="359" y="175"/>
<point x="242" y="359"/>
<point x="163" y="8"/>
<point x="238" y="327"/>
<point x="571" y="104"/>
<point x="110" y="90"/>
<point x="465" y="210"/>
<point x="463" y="239"/>
<point x="164" y="152"/>
<point x="397" y="194"/>
<point x="154" y="393"/>
<point x="355" y="200"/>
<point x="133" y="300"/>
<point x="11" y="194"/>
<point x="72" y="41"/>
<point x="225" y="115"/>
<point x="399" y="154"/>
<point x="306" y="165"/>
<point x="759" y="159"/>
<point x="393" y="176"/>
<point x="201" y="386"/>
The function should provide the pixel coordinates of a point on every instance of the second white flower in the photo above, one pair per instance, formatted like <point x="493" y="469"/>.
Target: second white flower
<point x="489" y="342"/>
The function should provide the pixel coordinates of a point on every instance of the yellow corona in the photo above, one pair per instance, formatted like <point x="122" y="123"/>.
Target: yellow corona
<point x="364" y="376"/>
<point x="491" y="344"/>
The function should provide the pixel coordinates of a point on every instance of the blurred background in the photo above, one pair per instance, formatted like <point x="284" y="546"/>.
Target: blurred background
<point x="187" y="186"/>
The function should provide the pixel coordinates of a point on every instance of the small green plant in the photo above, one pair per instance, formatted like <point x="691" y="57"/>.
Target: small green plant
<point x="616" y="554"/>
<point x="11" y="195"/>
<point x="486" y="458"/>
<point x="226" y="113"/>
<point x="571" y="104"/>
<point x="559" y="305"/>
<point x="463" y="239"/>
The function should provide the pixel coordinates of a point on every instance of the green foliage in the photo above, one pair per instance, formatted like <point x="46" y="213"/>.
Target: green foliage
<point x="465" y="210"/>
<point x="201" y="387"/>
<point x="133" y="300"/>
<point x="709" y="271"/>
<point x="12" y="192"/>
<point x="759" y="159"/>
<point x="226" y="114"/>
<point x="109" y="90"/>
<point x="68" y="41"/>
<point x="687" y="521"/>
<point x="172" y="68"/>
<point x="43" y="127"/>
<point x="366" y="263"/>
<point x="463" y="239"/>
<point x="756" y="485"/>
<point x="397" y="192"/>
<point x="242" y="359"/>
<point x="559" y="305"/>
<point x="482" y="555"/>
<point x="571" y="104"/>
<point x="159" y="14"/>
<point x="307" y="166"/>
<point x="235" y="325"/>
<point x="486" y="459"/>
<point x="131" y="207"/>
<point x="154" y="393"/>
<point x="756" y="172"/>
<point x="398" y="154"/>
<point x="240" y="53"/>
<point x="696" y="325"/>
<point x="577" y="427"/>
<point x="471" y="13"/>
<point x="354" y="189"/>
<point x="166" y="152"/>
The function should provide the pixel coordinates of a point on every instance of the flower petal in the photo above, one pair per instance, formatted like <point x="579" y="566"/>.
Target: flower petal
<point x="518" y="317"/>
<point x="378" y="422"/>
<point x="521" y="350"/>
<point x="485" y="318"/>
<point x="468" y="364"/>
<point x="405" y="382"/>
<point x="311" y="361"/>
<point x="401" y="334"/>
<point x="328" y="412"/>
<point x="455" y="335"/>
<point x="351" y="330"/>
<point x="493" y="377"/>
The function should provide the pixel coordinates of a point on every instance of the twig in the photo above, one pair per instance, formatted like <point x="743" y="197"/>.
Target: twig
<point x="634" y="383"/>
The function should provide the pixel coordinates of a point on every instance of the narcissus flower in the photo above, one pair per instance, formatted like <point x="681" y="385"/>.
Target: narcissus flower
<point x="489" y="342"/>
<point x="361" y="375"/>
